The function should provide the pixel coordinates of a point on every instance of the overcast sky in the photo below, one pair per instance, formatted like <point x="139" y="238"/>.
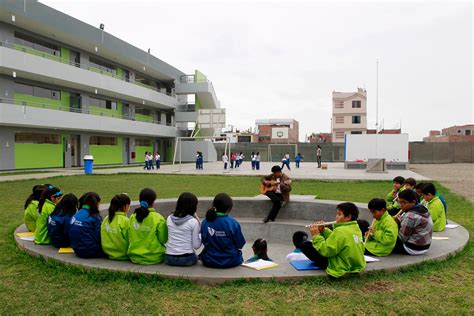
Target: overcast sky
<point x="277" y="59"/>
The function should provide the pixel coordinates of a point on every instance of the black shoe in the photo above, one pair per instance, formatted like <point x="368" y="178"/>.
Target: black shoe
<point x="265" y="220"/>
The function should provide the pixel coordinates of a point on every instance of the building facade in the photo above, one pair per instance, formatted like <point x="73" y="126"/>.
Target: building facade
<point x="349" y="114"/>
<point x="68" y="89"/>
<point x="453" y="134"/>
<point x="277" y="131"/>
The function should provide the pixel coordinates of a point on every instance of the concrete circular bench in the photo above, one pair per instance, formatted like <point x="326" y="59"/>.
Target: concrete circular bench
<point x="250" y="212"/>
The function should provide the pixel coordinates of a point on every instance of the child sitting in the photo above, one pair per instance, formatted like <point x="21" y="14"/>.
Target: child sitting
<point x="31" y="207"/>
<point x="259" y="248"/>
<point x="416" y="226"/>
<point x="340" y="251"/>
<point x="47" y="204"/>
<point x="84" y="232"/>
<point x="392" y="198"/>
<point x="148" y="233"/>
<point x="183" y="232"/>
<point x="221" y="235"/>
<point x="409" y="183"/>
<point x="382" y="236"/>
<point x="419" y="191"/>
<point x="298" y="238"/>
<point x="435" y="206"/>
<point x="59" y="221"/>
<point x="114" y="228"/>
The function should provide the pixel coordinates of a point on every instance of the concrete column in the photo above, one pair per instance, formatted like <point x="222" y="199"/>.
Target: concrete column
<point x="7" y="148"/>
<point x="7" y="88"/>
<point x="84" y="147"/>
<point x="163" y="118"/>
<point x="85" y="102"/>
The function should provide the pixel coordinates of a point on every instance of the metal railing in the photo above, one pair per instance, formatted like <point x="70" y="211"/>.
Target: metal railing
<point x="80" y="110"/>
<point x="94" y="68"/>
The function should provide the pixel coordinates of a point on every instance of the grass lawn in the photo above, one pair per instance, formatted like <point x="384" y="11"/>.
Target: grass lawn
<point x="31" y="286"/>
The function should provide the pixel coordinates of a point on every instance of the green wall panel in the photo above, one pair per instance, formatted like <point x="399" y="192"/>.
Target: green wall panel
<point x="65" y="54"/>
<point x="107" y="112"/>
<point x="199" y="76"/>
<point x="107" y="155"/>
<point x="38" y="155"/>
<point x="140" y="152"/>
<point x="45" y="102"/>
<point x="143" y="118"/>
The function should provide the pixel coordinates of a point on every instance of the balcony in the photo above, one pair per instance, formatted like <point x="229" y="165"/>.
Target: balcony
<point x="203" y="88"/>
<point x="43" y="115"/>
<point x="36" y="65"/>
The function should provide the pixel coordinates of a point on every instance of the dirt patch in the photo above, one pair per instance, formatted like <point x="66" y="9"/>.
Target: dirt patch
<point x="458" y="177"/>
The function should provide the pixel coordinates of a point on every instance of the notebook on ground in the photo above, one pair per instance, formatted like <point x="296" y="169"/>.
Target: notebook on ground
<point x="25" y="234"/>
<point x="303" y="265"/>
<point x="66" y="250"/>
<point x="260" y="264"/>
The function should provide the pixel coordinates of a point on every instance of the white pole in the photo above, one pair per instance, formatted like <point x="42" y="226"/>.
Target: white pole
<point x="180" y="151"/>
<point x="175" y="150"/>
<point x="377" y="113"/>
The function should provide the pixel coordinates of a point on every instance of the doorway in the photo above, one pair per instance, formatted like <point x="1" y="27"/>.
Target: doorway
<point x="75" y="150"/>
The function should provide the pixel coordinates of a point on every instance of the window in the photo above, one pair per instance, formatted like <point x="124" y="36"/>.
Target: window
<point x="356" y="119"/>
<point x="36" y="138"/>
<point x="38" y="44"/>
<point x="169" y="118"/>
<point x="111" y="105"/>
<point x="356" y="104"/>
<point x="106" y="104"/>
<point x="142" y="142"/>
<point x="103" y="141"/>
<point x="102" y="65"/>
<point x="37" y="91"/>
<point x="356" y="132"/>
<point x="142" y="111"/>
<point x="468" y="132"/>
<point x="340" y="135"/>
<point x="340" y="119"/>
<point x="339" y="104"/>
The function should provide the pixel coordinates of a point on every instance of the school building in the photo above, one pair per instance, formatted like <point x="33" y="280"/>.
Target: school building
<point x="69" y="89"/>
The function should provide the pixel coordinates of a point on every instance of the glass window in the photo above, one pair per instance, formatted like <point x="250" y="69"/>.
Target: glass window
<point x="142" y="111"/>
<point x="102" y="65"/>
<point x="356" y="104"/>
<point x="23" y="89"/>
<point x="103" y="141"/>
<point x="356" y="132"/>
<point x="36" y="138"/>
<point x="142" y="142"/>
<point x="35" y="43"/>
<point x="356" y="119"/>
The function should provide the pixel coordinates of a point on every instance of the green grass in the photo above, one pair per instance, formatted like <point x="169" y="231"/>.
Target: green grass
<point x="31" y="285"/>
<point x="14" y="173"/>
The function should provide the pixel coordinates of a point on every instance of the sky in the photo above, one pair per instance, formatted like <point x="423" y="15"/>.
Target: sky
<point x="281" y="59"/>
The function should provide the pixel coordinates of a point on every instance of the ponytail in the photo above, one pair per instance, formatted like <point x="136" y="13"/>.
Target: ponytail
<point x="46" y="195"/>
<point x="36" y="194"/>
<point x="147" y="198"/>
<point x="91" y="200"/>
<point x="222" y="203"/>
<point x="211" y="214"/>
<point x="67" y="206"/>
<point x="117" y="202"/>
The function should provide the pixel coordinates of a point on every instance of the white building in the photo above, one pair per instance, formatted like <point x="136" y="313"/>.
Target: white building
<point x="349" y="114"/>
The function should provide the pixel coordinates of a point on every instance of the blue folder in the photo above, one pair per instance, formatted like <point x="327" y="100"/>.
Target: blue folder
<point x="303" y="265"/>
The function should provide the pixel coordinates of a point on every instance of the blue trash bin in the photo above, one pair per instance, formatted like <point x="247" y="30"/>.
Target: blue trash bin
<point x="88" y="164"/>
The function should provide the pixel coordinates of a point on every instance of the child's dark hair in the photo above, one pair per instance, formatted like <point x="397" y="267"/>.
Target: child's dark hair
<point x="186" y="205"/>
<point x="409" y="195"/>
<point x="429" y="188"/>
<point x="36" y="194"/>
<point x="46" y="195"/>
<point x="410" y="181"/>
<point x="90" y="200"/>
<point x="67" y="206"/>
<point x="377" y="204"/>
<point x="363" y="226"/>
<point x="117" y="202"/>
<point x="260" y="249"/>
<point x="399" y="180"/>
<point x="347" y="209"/>
<point x="419" y="186"/>
<point x="147" y="198"/>
<point x="299" y="237"/>
<point x="222" y="203"/>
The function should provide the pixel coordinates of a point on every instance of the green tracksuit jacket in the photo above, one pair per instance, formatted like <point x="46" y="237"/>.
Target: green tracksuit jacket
<point x="344" y="248"/>
<point x="436" y="208"/>
<point x="31" y="215"/>
<point x="41" y="232"/>
<point x="382" y="241"/>
<point x="391" y="203"/>
<point x="146" y="240"/>
<point x="114" y="236"/>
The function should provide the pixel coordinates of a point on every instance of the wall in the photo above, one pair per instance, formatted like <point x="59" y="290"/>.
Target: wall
<point x="107" y="155"/>
<point x="38" y="155"/>
<point x="429" y="152"/>
<point x="63" y="103"/>
<point x="140" y="152"/>
<point x="392" y="148"/>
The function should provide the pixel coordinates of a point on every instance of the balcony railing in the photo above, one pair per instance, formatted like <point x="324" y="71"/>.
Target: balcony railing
<point x="80" y="110"/>
<point x="95" y="69"/>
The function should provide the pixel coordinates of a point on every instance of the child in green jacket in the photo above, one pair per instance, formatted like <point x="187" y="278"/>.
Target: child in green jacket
<point x="434" y="206"/>
<point x="381" y="237"/>
<point x="392" y="197"/>
<point x="114" y="228"/>
<point x="339" y="251"/>
<point x="46" y="206"/>
<point x="31" y="207"/>
<point x="148" y="232"/>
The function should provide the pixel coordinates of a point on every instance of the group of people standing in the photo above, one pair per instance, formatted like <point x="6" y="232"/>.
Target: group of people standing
<point x="152" y="160"/>
<point x="236" y="160"/>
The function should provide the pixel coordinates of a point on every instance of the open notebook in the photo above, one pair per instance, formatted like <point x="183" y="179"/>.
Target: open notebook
<point x="260" y="264"/>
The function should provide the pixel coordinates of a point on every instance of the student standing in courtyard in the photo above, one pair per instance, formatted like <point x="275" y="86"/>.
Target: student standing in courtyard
<point x="298" y="160"/>
<point x="158" y="160"/>
<point x="318" y="156"/>
<point x="257" y="160"/>
<point x="225" y="160"/>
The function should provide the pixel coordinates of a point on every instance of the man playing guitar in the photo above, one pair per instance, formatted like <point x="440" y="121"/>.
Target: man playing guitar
<point x="277" y="187"/>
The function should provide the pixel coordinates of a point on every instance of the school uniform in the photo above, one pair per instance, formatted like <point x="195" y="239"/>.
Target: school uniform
<point x="158" y="161"/>
<point x="225" y="159"/>
<point x="84" y="234"/>
<point x="415" y="231"/>
<point x="436" y="209"/>
<point x="298" y="159"/>
<point x="58" y="230"/>
<point x="296" y="255"/>
<point x="41" y="232"/>
<point x="223" y="242"/>
<point x="257" y="162"/>
<point x="253" y="159"/>
<point x="146" y="240"/>
<point x="114" y="236"/>
<point x="383" y="240"/>
<point x="31" y="215"/>
<point x="339" y="252"/>
<point x="286" y="162"/>
<point x="392" y="201"/>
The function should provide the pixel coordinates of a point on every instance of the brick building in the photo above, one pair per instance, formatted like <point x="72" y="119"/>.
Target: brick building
<point x="453" y="134"/>
<point x="277" y="131"/>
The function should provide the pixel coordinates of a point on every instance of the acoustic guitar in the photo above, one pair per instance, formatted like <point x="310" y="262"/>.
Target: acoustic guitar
<point x="271" y="186"/>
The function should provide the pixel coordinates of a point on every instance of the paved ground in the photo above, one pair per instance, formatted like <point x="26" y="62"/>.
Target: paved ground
<point x="308" y="170"/>
<point x="458" y="177"/>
